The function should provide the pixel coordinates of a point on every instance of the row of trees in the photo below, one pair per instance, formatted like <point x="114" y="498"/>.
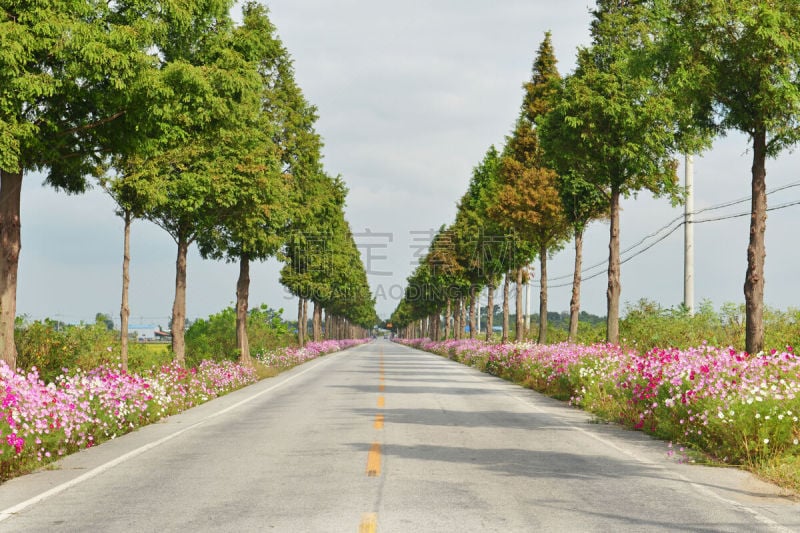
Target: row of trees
<point x="187" y="120"/>
<point x="661" y="77"/>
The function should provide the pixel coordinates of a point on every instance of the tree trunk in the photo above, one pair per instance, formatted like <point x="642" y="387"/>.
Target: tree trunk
<point x="472" y="318"/>
<point x="520" y="319"/>
<point x="242" y="303"/>
<point x="463" y="316"/>
<point x="756" y="250"/>
<point x="448" y="312"/>
<point x="575" y="302"/>
<point x="490" y="311"/>
<point x="327" y="324"/>
<point x="305" y="319"/>
<point x="178" y="325"/>
<point x="542" y="295"/>
<point x="614" y="286"/>
<point x="317" y="322"/>
<point x="300" y="337"/>
<point x="506" y="296"/>
<point x="10" y="246"/>
<point x="437" y="327"/>
<point x="456" y="318"/>
<point x="124" y="308"/>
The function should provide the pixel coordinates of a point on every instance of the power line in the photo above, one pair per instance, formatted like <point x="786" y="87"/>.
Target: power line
<point x="670" y="232"/>
<point x="679" y="220"/>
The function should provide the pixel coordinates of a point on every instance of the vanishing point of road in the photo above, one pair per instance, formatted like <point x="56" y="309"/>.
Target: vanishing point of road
<point x="385" y="438"/>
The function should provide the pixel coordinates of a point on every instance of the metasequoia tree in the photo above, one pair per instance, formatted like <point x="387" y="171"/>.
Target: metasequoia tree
<point x="68" y="69"/>
<point x="582" y="201"/>
<point x="529" y="201"/>
<point x="215" y="99"/>
<point x="493" y="253"/>
<point x="260" y="187"/>
<point x="736" y="65"/>
<point x="619" y="126"/>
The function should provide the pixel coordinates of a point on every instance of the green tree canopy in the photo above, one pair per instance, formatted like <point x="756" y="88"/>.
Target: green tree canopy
<point x="736" y="65"/>
<point x="614" y="126"/>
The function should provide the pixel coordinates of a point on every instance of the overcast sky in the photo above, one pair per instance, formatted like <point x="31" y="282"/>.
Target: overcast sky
<point x="410" y="96"/>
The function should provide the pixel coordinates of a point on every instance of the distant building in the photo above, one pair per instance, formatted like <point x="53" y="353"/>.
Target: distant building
<point x="143" y="332"/>
<point x="162" y="335"/>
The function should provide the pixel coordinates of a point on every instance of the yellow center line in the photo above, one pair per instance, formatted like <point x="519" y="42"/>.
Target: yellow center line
<point x="378" y="422"/>
<point x="381" y="401"/>
<point x="369" y="523"/>
<point x="381" y="387"/>
<point x="374" y="460"/>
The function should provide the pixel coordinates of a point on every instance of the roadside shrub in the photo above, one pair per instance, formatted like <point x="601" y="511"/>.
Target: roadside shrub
<point x="215" y="337"/>
<point x="648" y="325"/>
<point x="51" y="346"/>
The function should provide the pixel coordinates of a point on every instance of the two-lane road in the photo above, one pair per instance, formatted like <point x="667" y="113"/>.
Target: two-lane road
<point x="385" y="438"/>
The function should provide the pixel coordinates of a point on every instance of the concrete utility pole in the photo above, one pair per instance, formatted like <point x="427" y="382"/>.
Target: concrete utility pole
<point x="688" y="238"/>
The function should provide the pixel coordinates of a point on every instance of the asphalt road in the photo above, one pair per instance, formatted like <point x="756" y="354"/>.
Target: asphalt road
<point x="385" y="438"/>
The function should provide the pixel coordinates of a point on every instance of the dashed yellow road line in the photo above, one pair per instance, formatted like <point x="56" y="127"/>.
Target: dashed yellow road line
<point x="381" y="401"/>
<point x="369" y="523"/>
<point x="374" y="460"/>
<point x="378" y="422"/>
<point x="381" y="387"/>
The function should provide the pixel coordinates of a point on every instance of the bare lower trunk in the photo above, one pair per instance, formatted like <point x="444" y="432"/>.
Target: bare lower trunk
<point x="756" y="250"/>
<point x="10" y="246"/>
<point x="472" y="317"/>
<point x="456" y="318"/>
<point x="448" y="312"/>
<point x="490" y="311"/>
<point x="317" y="322"/>
<point x="506" y="296"/>
<point x="437" y="327"/>
<point x="242" y="303"/>
<point x="178" y="325"/>
<point x="520" y="319"/>
<point x="542" y="295"/>
<point x="124" y="308"/>
<point x="305" y="319"/>
<point x="614" y="286"/>
<point x="463" y="314"/>
<point x="301" y="340"/>
<point x="575" y="302"/>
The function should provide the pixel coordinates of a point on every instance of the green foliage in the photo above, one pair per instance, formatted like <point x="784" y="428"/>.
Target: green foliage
<point x="215" y="337"/>
<point x="734" y="63"/>
<point x="648" y="325"/>
<point x="528" y="202"/>
<point x="51" y="347"/>
<point x="67" y="70"/>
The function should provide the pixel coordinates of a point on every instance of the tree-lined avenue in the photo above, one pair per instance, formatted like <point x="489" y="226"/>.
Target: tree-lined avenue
<point x="441" y="448"/>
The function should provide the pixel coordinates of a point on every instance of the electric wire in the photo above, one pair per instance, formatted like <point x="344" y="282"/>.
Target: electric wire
<point x="680" y="223"/>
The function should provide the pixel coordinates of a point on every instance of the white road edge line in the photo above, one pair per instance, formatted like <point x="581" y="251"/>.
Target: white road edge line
<point x="11" y="511"/>
<point x="699" y="488"/>
<point x="696" y="486"/>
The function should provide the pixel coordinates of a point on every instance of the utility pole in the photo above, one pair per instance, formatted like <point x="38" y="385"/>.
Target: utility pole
<point x="688" y="236"/>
